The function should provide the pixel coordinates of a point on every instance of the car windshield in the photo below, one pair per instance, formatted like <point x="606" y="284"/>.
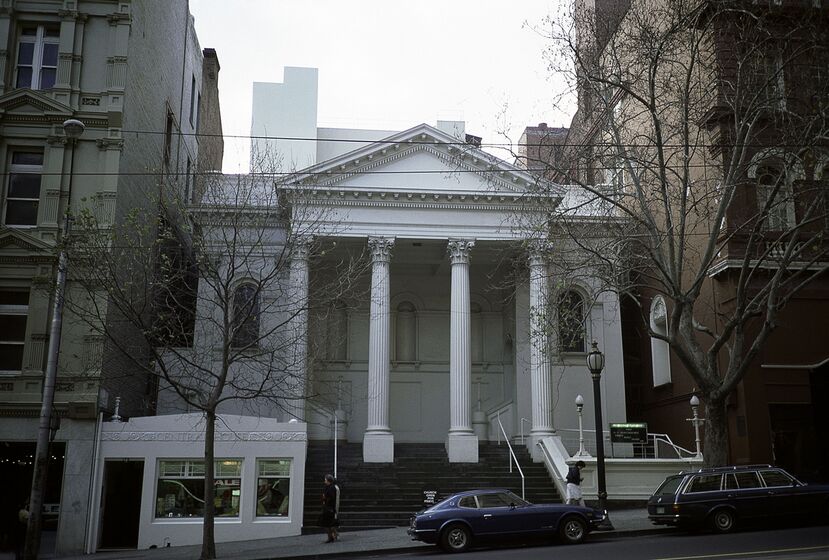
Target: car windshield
<point x="669" y="486"/>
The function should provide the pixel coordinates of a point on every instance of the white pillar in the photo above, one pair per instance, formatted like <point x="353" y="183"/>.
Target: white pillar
<point x="462" y="443"/>
<point x="540" y="376"/>
<point x="378" y="442"/>
<point x="298" y="382"/>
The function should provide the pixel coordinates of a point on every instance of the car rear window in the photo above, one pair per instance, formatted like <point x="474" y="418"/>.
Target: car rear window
<point x="776" y="478"/>
<point x="705" y="483"/>
<point x="467" y="502"/>
<point x="669" y="487"/>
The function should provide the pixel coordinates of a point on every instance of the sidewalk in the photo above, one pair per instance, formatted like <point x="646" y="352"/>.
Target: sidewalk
<point x="627" y="522"/>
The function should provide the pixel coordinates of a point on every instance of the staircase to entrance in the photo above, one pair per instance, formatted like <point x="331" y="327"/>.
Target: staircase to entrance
<point x="387" y="494"/>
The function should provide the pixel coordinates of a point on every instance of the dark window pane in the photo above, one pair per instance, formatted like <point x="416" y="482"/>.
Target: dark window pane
<point x="50" y="54"/>
<point x="24" y="185"/>
<point x="180" y="498"/>
<point x="14" y="297"/>
<point x="27" y="158"/>
<point x="571" y="322"/>
<point x="748" y="480"/>
<point x="21" y="212"/>
<point x="707" y="483"/>
<point x="51" y="32"/>
<point x="730" y="482"/>
<point x="12" y="328"/>
<point x="776" y="478"/>
<point x="11" y="357"/>
<point x="24" y="77"/>
<point x="25" y="54"/>
<point x="467" y="502"/>
<point x="245" y="316"/>
<point x="272" y="497"/>
<point x="47" y="78"/>
<point x="29" y="31"/>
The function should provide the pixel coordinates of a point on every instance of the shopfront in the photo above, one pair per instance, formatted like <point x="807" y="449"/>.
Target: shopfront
<point x="150" y="480"/>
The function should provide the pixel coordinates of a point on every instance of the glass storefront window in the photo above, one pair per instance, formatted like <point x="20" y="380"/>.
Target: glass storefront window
<point x="180" y="491"/>
<point x="273" y="488"/>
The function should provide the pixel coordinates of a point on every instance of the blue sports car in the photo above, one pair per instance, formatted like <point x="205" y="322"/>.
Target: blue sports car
<point x="477" y="515"/>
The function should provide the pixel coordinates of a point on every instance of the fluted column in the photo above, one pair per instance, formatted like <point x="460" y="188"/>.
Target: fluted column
<point x="462" y="443"/>
<point x="540" y="376"/>
<point x="299" y="273"/>
<point x="378" y="442"/>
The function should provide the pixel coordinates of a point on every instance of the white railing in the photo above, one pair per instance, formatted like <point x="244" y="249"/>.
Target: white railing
<point x="522" y="428"/>
<point x="512" y="456"/>
<point x="656" y="443"/>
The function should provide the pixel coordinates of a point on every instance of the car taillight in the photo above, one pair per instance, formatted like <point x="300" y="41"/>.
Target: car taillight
<point x="676" y="508"/>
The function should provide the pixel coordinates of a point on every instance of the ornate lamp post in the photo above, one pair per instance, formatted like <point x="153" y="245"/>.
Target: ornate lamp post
<point x="595" y="363"/>
<point x="697" y="422"/>
<point x="579" y="407"/>
<point x="73" y="129"/>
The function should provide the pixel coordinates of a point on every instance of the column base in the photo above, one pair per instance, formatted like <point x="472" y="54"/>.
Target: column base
<point x="462" y="447"/>
<point x="378" y="447"/>
<point x="535" y="450"/>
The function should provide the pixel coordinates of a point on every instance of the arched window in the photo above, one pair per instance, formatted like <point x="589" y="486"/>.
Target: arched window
<point x="245" y="322"/>
<point x="660" y="349"/>
<point x="571" y="322"/>
<point x="773" y="189"/>
<point x="406" y="330"/>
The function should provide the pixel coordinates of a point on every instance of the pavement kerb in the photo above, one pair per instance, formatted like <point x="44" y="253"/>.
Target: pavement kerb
<point x="602" y="535"/>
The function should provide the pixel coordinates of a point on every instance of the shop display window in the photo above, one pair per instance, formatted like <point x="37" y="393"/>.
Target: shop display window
<point x="273" y="487"/>
<point x="180" y="490"/>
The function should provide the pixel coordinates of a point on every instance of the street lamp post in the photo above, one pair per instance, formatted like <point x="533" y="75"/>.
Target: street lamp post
<point x="73" y="129"/>
<point x="697" y="422"/>
<point x="595" y="363"/>
<point x="579" y="407"/>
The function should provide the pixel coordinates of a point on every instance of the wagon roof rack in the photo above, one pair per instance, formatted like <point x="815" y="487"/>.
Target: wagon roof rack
<point x="734" y="468"/>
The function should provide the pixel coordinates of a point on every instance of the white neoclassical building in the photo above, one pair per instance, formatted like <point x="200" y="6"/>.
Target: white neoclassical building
<point x="444" y="341"/>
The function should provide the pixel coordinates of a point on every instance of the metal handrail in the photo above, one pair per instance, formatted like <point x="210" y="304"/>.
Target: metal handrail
<point x="512" y="456"/>
<point x="522" y="428"/>
<point x="654" y="437"/>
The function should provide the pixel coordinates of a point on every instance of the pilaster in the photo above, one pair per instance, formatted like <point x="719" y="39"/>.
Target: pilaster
<point x="540" y="375"/>
<point x="298" y="279"/>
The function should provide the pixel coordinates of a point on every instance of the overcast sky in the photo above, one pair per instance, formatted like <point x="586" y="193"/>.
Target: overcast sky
<point x="386" y="64"/>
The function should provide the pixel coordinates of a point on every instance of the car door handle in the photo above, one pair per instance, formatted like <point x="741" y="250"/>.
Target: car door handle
<point x="487" y="515"/>
<point x="730" y="496"/>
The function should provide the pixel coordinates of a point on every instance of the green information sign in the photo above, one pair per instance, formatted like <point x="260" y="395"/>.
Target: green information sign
<point x="630" y="432"/>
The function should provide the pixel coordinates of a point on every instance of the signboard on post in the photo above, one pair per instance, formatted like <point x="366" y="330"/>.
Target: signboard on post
<point x="630" y="432"/>
<point x="430" y="497"/>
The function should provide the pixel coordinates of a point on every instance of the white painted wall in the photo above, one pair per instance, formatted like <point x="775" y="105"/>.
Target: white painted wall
<point x="286" y="110"/>
<point x="181" y="436"/>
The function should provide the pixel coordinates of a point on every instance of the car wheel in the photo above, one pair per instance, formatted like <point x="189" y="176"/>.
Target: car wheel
<point x="722" y="521"/>
<point x="572" y="530"/>
<point x="456" y="538"/>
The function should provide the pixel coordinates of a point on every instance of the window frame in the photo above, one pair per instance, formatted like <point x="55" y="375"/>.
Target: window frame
<point x="39" y="41"/>
<point x="22" y="169"/>
<point x="190" y="473"/>
<point x="690" y="484"/>
<point x="253" y="315"/>
<point x="16" y="310"/>
<point x="583" y="323"/>
<point x="781" y="215"/>
<point x="287" y="497"/>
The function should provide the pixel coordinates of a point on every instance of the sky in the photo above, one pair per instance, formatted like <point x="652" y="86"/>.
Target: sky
<point x="387" y="64"/>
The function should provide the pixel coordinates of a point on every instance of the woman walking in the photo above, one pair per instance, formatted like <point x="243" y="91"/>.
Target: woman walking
<point x="330" y="508"/>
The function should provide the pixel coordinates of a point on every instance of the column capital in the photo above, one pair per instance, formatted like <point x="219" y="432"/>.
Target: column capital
<point x="538" y="251"/>
<point x="301" y="249"/>
<point x="380" y="248"/>
<point x="459" y="250"/>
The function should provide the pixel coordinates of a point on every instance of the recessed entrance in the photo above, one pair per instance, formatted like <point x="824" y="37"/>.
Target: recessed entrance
<point x="121" y="503"/>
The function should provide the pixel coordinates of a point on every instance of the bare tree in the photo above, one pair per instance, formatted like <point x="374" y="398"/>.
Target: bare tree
<point x="697" y="157"/>
<point x="207" y="301"/>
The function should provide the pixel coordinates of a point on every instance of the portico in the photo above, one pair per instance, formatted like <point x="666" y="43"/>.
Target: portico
<point x="443" y="326"/>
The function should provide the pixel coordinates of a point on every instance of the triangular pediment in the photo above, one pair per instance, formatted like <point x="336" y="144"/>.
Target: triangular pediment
<point x="15" y="243"/>
<point x="30" y="102"/>
<point x="422" y="159"/>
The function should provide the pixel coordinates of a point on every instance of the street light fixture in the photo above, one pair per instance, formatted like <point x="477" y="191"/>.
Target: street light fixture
<point x="595" y="363"/>
<point x="579" y="407"/>
<point x="73" y="128"/>
<point x="697" y="422"/>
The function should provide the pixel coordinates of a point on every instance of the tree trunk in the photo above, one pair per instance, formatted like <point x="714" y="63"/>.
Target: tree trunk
<point x="715" y="446"/>
<point x="208" y="545"/>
